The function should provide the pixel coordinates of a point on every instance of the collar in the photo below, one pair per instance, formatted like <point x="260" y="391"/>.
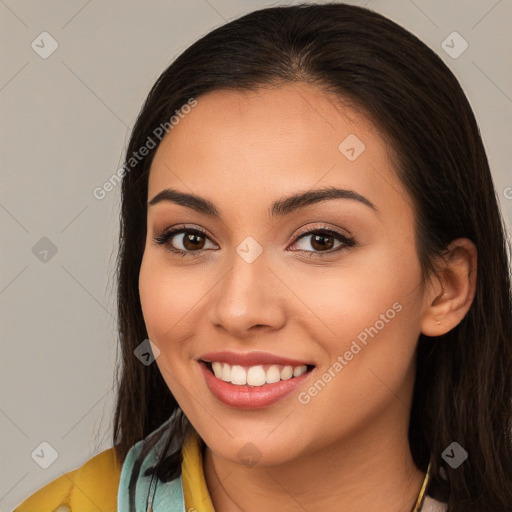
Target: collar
<point x="195" y="490"/>
<point x="187" y="492"/>
<point x="138" y="492"/>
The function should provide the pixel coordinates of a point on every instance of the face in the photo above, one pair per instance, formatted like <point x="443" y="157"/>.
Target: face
<point x="334" y="283"/>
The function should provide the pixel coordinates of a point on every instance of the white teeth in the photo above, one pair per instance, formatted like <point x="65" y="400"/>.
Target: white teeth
<point x="273" y="374"/>
<point x="238" y="375"/>
<point x="217" y="367"/>
<point x="226" y="372"/>
<point x="286" y="373"/>
<point x="255" y="375"/>
<point x="222" y="371"/>
<point x="299" y="370"/>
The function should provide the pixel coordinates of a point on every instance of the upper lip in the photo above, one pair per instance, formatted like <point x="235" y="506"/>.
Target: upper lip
<point x="250" y="358"/>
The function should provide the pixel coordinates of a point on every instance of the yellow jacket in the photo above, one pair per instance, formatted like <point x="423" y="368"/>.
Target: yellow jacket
<point x="93" y="487"/>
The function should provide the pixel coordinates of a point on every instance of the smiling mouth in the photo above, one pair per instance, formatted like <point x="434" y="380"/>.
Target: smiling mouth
<point x="255" y="375"/>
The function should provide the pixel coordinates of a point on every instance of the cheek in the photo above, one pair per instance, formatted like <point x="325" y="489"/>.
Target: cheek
<point x="375" y="281"/>
<point x="369" y="312"/>
<point x="165" y="300"/>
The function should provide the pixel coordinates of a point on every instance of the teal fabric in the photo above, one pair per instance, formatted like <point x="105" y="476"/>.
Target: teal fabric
<point x="150" y="495"/>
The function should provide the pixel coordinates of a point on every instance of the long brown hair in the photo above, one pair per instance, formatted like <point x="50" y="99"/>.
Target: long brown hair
<point x="463" y="383"/>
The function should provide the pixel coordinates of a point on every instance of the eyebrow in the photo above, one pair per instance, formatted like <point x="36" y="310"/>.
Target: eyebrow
<point x="279" y="208"/>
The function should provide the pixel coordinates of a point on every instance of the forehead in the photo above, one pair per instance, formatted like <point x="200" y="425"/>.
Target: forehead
<point x="286" y="139"/>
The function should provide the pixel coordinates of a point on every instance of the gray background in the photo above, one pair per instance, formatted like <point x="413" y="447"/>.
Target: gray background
<point x="65" y="124"/>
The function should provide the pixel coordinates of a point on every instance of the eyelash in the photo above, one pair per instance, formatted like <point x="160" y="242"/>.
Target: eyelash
<point x="166" y="236"/>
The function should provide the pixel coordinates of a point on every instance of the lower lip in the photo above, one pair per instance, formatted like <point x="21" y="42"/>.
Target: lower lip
<point x="250" y="397"/>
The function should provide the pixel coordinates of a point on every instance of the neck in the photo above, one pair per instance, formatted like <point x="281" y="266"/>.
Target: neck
<point x="364" y="472"/>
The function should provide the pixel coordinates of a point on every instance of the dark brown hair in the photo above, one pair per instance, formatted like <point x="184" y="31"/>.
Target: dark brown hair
<point x="463" y="383"/>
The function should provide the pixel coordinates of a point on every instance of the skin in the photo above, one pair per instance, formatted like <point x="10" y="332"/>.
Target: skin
<point x="346" y="449"/>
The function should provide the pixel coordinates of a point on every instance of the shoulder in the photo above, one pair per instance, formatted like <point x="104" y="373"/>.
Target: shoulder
<point x="93" y="486"/>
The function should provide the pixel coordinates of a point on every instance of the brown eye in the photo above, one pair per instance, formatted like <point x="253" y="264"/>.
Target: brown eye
<point x="320" y="242"/>
<point x="183" y="241"/>
<point x="192" y="241"/>
<point x="323" y="241"/>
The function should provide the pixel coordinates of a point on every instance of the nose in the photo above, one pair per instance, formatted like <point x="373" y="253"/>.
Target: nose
<point x="248" y="299"/>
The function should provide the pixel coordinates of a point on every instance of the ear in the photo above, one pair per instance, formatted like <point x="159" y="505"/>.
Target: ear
<point x="450" y="297"/>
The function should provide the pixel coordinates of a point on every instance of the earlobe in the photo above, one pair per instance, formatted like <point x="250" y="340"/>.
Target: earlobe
<point x="454" y="291"/>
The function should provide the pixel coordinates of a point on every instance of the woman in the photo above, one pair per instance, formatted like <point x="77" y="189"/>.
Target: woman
<point x="305" y="201"/>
